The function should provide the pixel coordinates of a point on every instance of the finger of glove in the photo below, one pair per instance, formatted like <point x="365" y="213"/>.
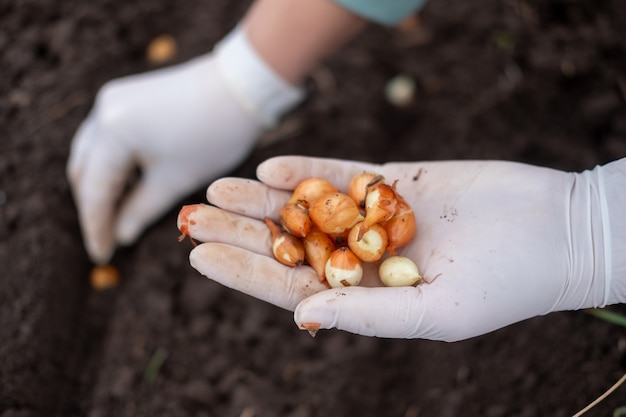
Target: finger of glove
<point x="285" y="172"/>
<point x="247" y="197"/>
<point x="155" y="193"/>
<point x="97" y="190"/>
<point x="398" y="312"/>
<point x="81" y="143"/>
<point x="256" y="275"/>
<point x="210" y="224"/>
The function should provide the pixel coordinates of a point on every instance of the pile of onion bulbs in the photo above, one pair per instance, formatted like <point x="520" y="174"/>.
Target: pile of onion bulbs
<point x="336" y="232"/>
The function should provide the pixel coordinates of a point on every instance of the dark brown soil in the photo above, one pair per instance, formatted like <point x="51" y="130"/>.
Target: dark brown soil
<point x="542" y="82"/>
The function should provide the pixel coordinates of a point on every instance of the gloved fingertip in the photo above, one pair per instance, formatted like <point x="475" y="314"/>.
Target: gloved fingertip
<point x="128" y="229"/>
<point x="213" y="191"/>
<point x="276" y="167"/>
<point x="79" y="151"/>
<point x="184" y="218"/>
<point x="100" y="253"/>
<point x="137" y="212"/>
<point x="311" y="316"/>
<point x="197" y="258"/>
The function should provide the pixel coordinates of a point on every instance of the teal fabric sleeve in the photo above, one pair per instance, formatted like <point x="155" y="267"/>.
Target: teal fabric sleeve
<point x="386" y="12"/>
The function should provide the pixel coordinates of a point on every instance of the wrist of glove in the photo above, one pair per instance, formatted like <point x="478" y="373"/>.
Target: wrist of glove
<point x="506" y="241"/>
<point x="182" y="126"/>
<point x="255" y="86"/>
<point x="613" y="202"/>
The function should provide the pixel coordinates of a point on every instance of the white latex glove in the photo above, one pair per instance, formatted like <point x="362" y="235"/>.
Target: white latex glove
<point x="182" y="126"/>
<point x="506" y="242"/>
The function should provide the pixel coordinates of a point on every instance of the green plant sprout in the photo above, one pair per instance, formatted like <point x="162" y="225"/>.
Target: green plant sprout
<point x="154" y="365"/>
<point x="610" y="316"/>
<point x="620" y="412"/>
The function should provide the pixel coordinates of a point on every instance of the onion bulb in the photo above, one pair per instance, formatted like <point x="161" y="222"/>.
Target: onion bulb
<point x="371" y="246"/>
<point x="398" y="271"/>
<point x="311" y="189"/>
<point x="359" y="185"/>
<point x="104" y="276"/>
<point x="380" y="204"/>
<point x="401" y="227"/>
<point x="294" y="217"/>
<point x="343" y="268"/>
<point x="335" y="213"/>
<point x="287" y="249"/>
<point x="317" y="249"/>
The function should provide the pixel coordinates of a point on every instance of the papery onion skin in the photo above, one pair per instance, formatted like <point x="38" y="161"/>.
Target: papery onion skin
<point x="380" y="205"/>
<point x="335" y="213"/>
<point x="311" y="189"/>
<point x="317" y="249"/>
<point x="401" y="228"/>
<point x="294" y="217"/>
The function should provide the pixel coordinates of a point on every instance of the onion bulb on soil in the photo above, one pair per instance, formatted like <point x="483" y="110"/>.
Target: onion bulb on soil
<point x="104" y="276"/>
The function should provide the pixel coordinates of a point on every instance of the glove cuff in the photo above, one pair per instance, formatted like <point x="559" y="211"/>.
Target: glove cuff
<point x="598" y="235"/>
<point x="612" y="182"/>
<point x="256" y="86"/>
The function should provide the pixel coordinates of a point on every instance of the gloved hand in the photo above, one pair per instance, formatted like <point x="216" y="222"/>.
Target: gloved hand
<point x="181" y="126"/>
<point x="505" y="241"/>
